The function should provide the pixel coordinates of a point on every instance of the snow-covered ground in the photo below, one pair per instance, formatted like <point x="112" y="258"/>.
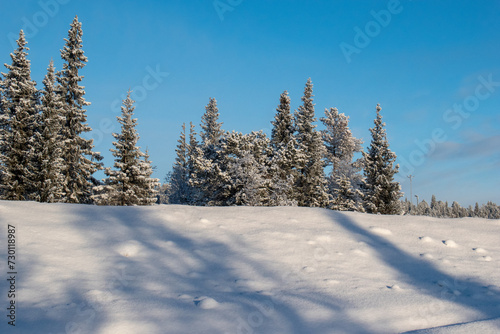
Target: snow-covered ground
<point x="180" y="269"/>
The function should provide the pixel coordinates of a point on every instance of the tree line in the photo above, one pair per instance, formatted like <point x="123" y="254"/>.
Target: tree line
<point x="442" y="209"/>
<point x="45" y="157"/>
<point x="43" y="153"/>
<point x="231" y="168"/>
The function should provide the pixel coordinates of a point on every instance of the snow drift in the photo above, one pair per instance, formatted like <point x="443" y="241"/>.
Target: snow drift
<point x="181" y="269"/>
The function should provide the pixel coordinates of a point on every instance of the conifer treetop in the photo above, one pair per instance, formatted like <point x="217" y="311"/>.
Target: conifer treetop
<point x="211" y="128"/>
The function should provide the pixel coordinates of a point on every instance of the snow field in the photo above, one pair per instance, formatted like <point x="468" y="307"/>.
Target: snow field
<point x="181" y="269"/>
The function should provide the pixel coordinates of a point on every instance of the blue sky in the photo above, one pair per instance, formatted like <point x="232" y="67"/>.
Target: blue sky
<point x="434" y="66"/>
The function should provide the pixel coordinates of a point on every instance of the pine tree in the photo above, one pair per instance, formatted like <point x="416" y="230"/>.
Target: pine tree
<point x="382" y="193"/>
<point x="129" y="183"/>
<point x="179" y="178"/>
<point x="19" y="126"/>
<point x="344" y="180"/>
<point x="210" y="176"/>
<point x="286" y="155"/>
<point x="311" y="183"/>
<point x="77" y="169"/>
<point x="51" y="162"/>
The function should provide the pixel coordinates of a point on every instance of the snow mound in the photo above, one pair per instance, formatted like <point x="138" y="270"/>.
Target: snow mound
<point x="394" y="287"/>
<point x="206" y="303"/>
<point x="129" y="248"/>
<point x="480" y="250"/>
<point x="426" y="239"/>
<point x="380" y="230"/>
<point x="485" y="258"/>
<point x="450" y="243"/>
<point x="204" y="221"/>
<point x="488" y="326"/>
<point x="427" y="256"/>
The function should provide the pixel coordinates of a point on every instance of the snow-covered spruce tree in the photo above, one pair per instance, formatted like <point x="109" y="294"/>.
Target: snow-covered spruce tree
<point x="310" y="186"/>
<point x="192" y="151"/>
<point x="19" y="128"/>
<point x="344" y="180"/>
<point x="210" y="177"/>
<point x="149" y="186"/>
<point x="247" y="158"/>
<point x="51" y="161"/>
<point x="286" y="155"/>
<point x="179" y="178"/>
<point x="381" y="192"/>
<point x="4" y="130"/>
<point x="79" y="159"/>
<point x="128" y="184"/>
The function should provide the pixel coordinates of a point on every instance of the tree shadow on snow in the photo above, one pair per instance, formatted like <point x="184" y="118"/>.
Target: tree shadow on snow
<point x="425" y="276"/>
<point x="156" y="278"/>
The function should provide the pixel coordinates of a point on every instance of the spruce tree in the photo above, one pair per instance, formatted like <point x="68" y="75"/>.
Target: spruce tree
<point x="79" y="159"/>
<point x="4" y="131"/>
<point x="247" y="158"/>
<point x="344" y="180"/>
<point x="192" y="151"/>
<point x="149" y="186"/>
<point x="381" y="192"/>
<point x="311" y="182"/>
<point x="286" y="155"/>
<point x="19" y="126"/>
<point x="283" y="127"/>
<point x="51" y="161"/>
<point x="129" y="183"/>
<point x="179" y="177"/>
<point x="210" y="176"/>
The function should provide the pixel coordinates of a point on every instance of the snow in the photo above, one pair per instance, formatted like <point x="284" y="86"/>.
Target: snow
<point x="181" y="269"/>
